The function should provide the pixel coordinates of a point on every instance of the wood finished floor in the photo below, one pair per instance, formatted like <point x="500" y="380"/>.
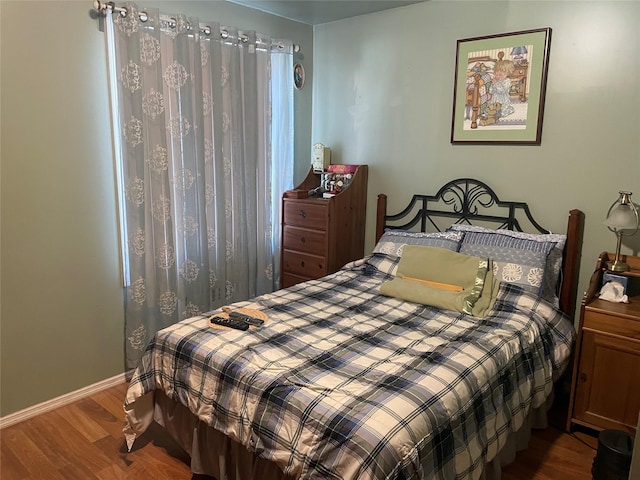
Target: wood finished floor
<point x="84" y="441"/>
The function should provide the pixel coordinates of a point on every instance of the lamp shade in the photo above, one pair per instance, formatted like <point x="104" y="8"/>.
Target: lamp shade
<point x="621" y="217"/>
<point x="622" y="214"/>
<point x="519" y="50"/>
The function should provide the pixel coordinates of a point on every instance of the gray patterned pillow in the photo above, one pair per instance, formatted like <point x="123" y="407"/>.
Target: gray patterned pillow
<point x="388" y="250"/>
<point x="392" y="241"/>
<point x="530" y="260"/>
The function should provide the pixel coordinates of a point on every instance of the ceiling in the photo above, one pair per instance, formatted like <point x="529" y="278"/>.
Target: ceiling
<point x="315" y="12"/>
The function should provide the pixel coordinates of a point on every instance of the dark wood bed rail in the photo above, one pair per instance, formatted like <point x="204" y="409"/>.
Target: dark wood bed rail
<point x="467" y="198"/>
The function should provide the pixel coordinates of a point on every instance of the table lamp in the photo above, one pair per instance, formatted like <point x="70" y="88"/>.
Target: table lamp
<point x="622" y="219"/>
<point x="518" y="54"/>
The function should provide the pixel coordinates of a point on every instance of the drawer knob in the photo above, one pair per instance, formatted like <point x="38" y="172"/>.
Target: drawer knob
<point x="582" y="377"/>
<point x="303" y="214"/>
<point x="302" y="263"/>
<point x="302" y="240"/>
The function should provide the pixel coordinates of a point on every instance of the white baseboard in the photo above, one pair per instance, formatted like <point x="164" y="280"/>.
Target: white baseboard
<point x="62" y="400"/>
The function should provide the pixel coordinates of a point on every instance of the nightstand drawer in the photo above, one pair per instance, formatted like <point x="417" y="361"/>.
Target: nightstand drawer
<point x="604" y="323"/>
<point x="304" y="265"/>
<point x="304" y="240"/>
<point x="305" y="214"/>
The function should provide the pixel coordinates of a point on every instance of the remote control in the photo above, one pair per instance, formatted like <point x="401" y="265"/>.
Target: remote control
<point x="243" y="317"/>
<point x="229" y="322"/>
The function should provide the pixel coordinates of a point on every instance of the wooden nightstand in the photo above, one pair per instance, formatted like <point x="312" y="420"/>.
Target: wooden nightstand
<point x="605" y="387"/>
<point x="519" y="82"/>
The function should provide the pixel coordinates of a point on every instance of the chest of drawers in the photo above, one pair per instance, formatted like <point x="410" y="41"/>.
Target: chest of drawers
<point x="320" y="235"/>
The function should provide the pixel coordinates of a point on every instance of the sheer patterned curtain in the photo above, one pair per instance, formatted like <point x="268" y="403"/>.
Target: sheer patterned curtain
<point x="204" y="133"/>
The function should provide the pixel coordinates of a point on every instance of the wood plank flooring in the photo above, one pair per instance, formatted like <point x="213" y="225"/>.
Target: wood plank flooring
<point x="84" y="441"/>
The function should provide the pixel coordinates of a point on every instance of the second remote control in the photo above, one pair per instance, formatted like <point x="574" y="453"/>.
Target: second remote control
<point x="229" y="322"/>
<point x="256" y="322"/>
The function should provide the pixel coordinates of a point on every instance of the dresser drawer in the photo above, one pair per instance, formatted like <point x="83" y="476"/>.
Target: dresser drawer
<point x="305" y="214"/>
<point x="304" y="264"/>
<point x="304" y="240"/>
<point x="288" y="280"/>
<point x="600" y="322"/>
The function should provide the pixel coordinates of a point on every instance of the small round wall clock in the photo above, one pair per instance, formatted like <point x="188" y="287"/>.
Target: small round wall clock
<point x="298" y="76"/>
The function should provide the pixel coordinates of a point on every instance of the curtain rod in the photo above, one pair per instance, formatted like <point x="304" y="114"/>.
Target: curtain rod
<point x="102" y="7"/>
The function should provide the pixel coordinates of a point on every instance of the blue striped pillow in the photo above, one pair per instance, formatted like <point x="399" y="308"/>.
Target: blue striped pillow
<point x="532" y="261"/>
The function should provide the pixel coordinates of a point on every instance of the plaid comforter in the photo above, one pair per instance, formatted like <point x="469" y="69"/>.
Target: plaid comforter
<point x="344" y="383"/>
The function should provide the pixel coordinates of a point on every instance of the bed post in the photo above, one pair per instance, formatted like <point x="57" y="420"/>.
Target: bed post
<point x="380" y="214"/>
<point x="571" y="263"/>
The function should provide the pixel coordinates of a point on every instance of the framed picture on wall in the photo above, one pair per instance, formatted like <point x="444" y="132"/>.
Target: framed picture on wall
<point x="298" y="76"/>
<point x="499" y="88"/>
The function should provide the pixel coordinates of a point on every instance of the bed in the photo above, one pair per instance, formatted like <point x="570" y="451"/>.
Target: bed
<point x="343" y="382"/>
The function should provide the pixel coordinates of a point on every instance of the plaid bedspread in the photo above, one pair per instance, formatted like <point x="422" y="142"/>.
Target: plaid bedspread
<point x="343" y="383"/>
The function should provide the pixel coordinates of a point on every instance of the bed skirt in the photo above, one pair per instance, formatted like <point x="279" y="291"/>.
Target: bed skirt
<point x="214" y="454"/>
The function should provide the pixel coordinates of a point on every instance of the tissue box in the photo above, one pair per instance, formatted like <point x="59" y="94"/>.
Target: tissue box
<point x="612" y="277"/>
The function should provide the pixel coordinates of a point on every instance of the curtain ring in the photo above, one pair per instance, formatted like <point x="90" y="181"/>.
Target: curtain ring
<point x="143" y="16"/>
<point x="123" y="12"/>
<point x="206" y="30"/>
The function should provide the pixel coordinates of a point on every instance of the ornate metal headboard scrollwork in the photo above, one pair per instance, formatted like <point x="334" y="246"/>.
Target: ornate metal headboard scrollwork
<point x="464" y="200"/>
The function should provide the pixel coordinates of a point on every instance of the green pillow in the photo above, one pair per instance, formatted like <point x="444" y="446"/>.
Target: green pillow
<point x="444" y="279"/>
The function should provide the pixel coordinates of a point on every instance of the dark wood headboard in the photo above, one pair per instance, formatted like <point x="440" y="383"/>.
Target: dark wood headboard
<point x="473" y="202"/>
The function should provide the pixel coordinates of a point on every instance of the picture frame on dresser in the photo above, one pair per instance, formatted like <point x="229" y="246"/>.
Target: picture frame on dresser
<point x="499" y="88"/>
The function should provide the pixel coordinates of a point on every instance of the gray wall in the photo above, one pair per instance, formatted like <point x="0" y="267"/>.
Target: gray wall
<point x="383" y="91"/>
<point x="62" y="321"/>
